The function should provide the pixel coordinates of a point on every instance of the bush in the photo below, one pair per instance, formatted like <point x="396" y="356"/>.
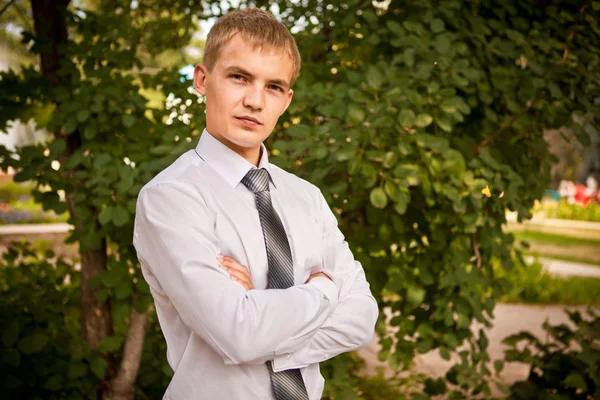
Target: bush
<point x="43" y="355"/>
<point x="566" y="367"/>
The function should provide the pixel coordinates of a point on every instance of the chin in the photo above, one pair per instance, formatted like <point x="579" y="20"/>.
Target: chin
<point x="246" y="138"/>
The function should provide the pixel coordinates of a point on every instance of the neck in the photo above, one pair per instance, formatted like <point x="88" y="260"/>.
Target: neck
<point x="250" y="154"/>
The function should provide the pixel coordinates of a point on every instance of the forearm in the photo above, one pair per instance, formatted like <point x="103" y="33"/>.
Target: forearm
<point x="350" y="326"/>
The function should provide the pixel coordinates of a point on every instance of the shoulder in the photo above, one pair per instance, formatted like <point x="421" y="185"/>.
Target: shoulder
<point x="298" y="185"/>
<point x="293" y="181"/>
<point x="186" y="176"/>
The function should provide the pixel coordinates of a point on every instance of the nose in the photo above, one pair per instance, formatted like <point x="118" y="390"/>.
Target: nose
<point x="254" y="98"/>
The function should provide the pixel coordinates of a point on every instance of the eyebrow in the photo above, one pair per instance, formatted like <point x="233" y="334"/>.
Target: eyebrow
<point x="241" y="71"/>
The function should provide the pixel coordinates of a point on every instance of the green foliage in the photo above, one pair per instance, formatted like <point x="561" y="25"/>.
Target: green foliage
<point x="43" y="354"/>
<point x="402" y="115"/>
<point x="530" y="283"/>
<point x="564" y="367"/>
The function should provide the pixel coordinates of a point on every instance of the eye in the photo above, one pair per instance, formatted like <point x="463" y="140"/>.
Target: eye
<point x="276" y="88"/>
<point x="238" y="77"/>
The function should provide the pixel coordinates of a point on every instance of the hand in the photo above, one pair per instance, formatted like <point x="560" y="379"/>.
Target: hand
<point x="238" y="272"/>
<point x="318" y="274"/>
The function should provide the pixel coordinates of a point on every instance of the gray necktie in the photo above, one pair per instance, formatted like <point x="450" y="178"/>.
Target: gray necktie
<point x="287" y="385"/>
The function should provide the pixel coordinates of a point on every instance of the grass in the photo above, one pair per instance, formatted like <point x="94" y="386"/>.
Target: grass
<point x="531" y="284"/>
<point x="541" y="237"/>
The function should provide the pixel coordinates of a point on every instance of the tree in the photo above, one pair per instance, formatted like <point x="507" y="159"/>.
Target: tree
<point x="421" y="121"/>
<point x="90" y="76"/>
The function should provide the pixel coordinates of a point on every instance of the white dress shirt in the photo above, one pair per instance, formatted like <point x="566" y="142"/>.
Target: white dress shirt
<point x="219" y="335"/>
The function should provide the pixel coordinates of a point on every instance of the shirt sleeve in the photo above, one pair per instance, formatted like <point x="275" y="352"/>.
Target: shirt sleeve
<point x="352" y="324"/>
<point x="174" y="238"/>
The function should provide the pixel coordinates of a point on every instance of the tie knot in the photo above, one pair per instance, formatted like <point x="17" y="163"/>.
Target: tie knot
<point x="257" y="180"/>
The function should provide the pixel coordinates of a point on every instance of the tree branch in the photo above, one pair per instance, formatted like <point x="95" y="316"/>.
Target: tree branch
<point x="6" y="7"/>
<point x="507" y="125"/>
<point x="122" y="386"/>
<point x="572" y="34"/>
<point x="476" y="249"/>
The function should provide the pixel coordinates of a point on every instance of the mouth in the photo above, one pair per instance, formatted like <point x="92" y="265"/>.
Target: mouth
<point x="247" y="120"/>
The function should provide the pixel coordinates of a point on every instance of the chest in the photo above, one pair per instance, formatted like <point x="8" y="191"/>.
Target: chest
<point x="237" y="225"/>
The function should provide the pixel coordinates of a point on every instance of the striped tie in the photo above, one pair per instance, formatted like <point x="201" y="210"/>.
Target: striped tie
<point x="287" y="385"/>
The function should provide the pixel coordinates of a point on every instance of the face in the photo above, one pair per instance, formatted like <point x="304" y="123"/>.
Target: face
<point x="246" y="92"/>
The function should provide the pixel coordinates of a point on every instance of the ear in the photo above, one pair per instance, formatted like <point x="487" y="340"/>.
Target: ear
<point x="200" y="73"/>
<point x="288" y="101"/>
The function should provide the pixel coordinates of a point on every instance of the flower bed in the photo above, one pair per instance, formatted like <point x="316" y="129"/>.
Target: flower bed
<point x="18" y="207"/>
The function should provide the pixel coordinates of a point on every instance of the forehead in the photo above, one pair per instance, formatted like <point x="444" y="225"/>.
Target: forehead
<point x="267" y="61"/>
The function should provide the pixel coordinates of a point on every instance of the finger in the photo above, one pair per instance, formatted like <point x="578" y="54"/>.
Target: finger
<point x="246" y="285"/>
<point x="231" y="263"/>
<point x="239" y="276"/>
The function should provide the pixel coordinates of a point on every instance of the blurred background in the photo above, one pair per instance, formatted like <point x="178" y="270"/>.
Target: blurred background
<point x="456" y="141"/>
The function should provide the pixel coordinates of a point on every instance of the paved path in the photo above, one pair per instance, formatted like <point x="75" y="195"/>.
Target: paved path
<point x="509" y="319"/>
<point x="567" y="268"/>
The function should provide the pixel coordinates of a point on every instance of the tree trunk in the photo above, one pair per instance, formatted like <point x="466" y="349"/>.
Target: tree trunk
<point x="122" y="386"/>
<point x="50" y="27"/>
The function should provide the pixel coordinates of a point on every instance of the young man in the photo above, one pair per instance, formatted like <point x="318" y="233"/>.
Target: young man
<point x="252" y="280"/>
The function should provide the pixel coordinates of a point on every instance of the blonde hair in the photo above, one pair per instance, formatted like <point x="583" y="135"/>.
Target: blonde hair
<point x="257" y="25"/>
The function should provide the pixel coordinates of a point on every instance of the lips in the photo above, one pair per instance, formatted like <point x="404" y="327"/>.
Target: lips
<point x="249" y="119"/>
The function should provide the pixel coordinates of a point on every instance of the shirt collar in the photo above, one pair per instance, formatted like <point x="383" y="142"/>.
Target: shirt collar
<point x="227" y="162"/>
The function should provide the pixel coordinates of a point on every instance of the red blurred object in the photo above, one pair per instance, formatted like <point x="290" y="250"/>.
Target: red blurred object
<point x="581" y="196"/>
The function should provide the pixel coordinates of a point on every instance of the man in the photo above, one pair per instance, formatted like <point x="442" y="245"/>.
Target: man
<point x="252" y="280"/>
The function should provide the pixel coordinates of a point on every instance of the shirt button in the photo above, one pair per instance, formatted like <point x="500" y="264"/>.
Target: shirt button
<point x="288" y="356"/>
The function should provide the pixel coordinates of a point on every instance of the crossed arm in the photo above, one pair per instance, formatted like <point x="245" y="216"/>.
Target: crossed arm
<point x="314" y="321"/>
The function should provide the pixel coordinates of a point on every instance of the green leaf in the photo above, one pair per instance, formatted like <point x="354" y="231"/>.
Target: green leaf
<point x="378" y="198"/>
<point x="33" y="343"/>
<point x="83" y="115"/>
<point x="437" y="25"/>
<point x="409" y="57"/>
<point x="498" y="366"/>
<point x="402" y="202"/>
<point x="374" y="77"/>
<point x="406" y="118"/>
<point x="391" y="190"/>
<point x="90" y="131"/>
<point x="70" y="126"/>
<point x="576" y="380"/>
<point x="415" y="295"/>
<point x="77" y="369"/>
<point x="395" y="27"/>
<point x="110" y="344"/>
<point x="128" y="120"/>
<point x="11" y="334"/>
<point x="98" y="366"/>
<point x="423" y="120"/>
<point x="554" y="90"/>
<point x="298" y="131"/>
<point x="444" y="123"/>
<point x="356" y="114"/>
<point x="54" y="383"/>
<point x="120" y="216"/>
<point x="105" y="215"/>
<point x="57" y="147"/>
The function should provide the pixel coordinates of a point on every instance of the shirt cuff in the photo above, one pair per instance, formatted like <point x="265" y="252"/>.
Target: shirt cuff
<point x="327" y="287"/>
<point x="285" y="362"/>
